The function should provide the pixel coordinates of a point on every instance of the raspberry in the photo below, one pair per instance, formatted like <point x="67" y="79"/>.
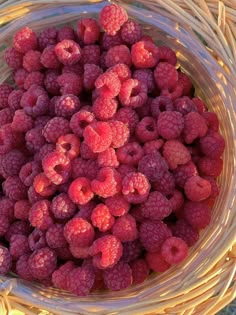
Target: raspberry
<point x="68" y="52"/>
<point x="13" y="188"/>
<point x="130" y="153"/>
<point x="86" y="153"/>
<point x="184" y="80"/>
<point x="122" y="71"/>
<point x="90" y="55"/>
<point x="183" y="172"/>
<point x="153" y="146"/>
<point x="4" y="225"/>
<point x="6" y="139"/>
<point x="98" y="136"/>
<point x="144" y="54"/>
<point x="186" y="232"/>
<point x="165" y="75"/>
<point x="125" y="228"/>
<point x="117" y="205"/>
<point x="176" y="200"/>
<point x="37" y="239"/>
<point x="46" y="37"/>
<point x="108" y="85"/>
<point x="33" y="196"/>
<point x="12" y="162"/>
<point x="135" y="187"/>
<point x="19" y="77"/>
<point x="107" y="182"/>
<point x="165" y="184"/>
<point x="170" y="124"/>
<point x="145" y="110"/>
<point x="146" y="129"/>
<point x="212" y="145"/>
<point x="184" y="105"/>
<point x="111" y="18"/>
<point x="88" y="30"/>
<point x="167" y="55"/>
<point x="5" y="260"/>
<point x="106" y="251"/>
<point x="156" y="262"/>
<point x="196" y="188"/>
<point x="59" y="276"/>
<point x="215" y="190"/>
<point x="31" y="61"/>
<point x="85" y="211"/>
<point x="160" y="104"/>
<point x="66" y="32"/>
<point x="120" y="133"/>
<point x="109" y="41"/>
<point x="194" y="126"/>
<point x="21" y="210"/>
<point x="55" y="237"/>
<point x="42" y="263"/>
<point x="35" y="101"/>
<point x="197" y="214"/>
<point x="18" y="246"/>
<point x="21" y="121"/>
<point x="175" y="153"/>
<point x="174" y="93"/>
<point x="156" y="207"/>
<point x="80" y="120"/>
<point x="70" y="83"/>
<point x="129" y="117"/>
<point x="119" y="277"/>
<point x="80" y="191"/>
<point x="28" y="172"/>
<point x="55" y="128"/>
<point x="118" y="54"/>
<point x="67" y="105"/>
<point x="50" y="82"/>
<point x="102" y="218"/>
<point x="18" y="227"/>
<point x="14" y="99"/>
<point x="145" y="76"/>
<point x="79" y="232"/>
<point x="34" y="139"/>
<point x="211" y="120"/>
<point x="68" y="145"/>
<point x="104" y="108"/>
<point x="91" y="73"/>
<point x="174" y="250"/>
<point x="77" y="69"/>
<point x="5" y="91"/>
<point x="153" y="166"/>
<point x="7" y="208"/>
<point x="13" y="58"/>
<point x="131" y="32"/>
<point x="152" y="235"/>
<point x="49" y="58"/>
<point x="80" y="280"/>
<point x="211" y="167"/>
<point x="39" y="215"/>
<point x="22" y="268"/>
<point x="24" y="40"/>
<point x="43" y="186"/>
<point x="63" y="207"/>
<point x="133" y="93"/>
<point x="108" y="158"/>
<point x="84" y="168"/>
<point x="131" y="251"/>
<point x="79" y="252"/>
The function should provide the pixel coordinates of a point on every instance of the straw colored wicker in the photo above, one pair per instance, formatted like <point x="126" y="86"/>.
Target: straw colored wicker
<point x="211" y="282"/>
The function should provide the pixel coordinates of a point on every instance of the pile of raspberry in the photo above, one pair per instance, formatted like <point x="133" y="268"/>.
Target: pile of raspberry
<point x="108" y="162"/>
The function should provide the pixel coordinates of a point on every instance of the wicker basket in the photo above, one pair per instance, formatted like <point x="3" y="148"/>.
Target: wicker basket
<point x="206" y="281"/>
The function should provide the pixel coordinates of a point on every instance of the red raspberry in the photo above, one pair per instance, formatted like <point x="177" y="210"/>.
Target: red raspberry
<point x="104" y="108"/>
<point x="108" y="85"/>
<point x="86" y="153"/>
<point x="146" y="129"/>
<point x="170" y="124"/>
<point x="35" y="101"/>
<point x="79" y="232"/>
<point x="145" y="76"/>
<point x="39" y="215"/>
<point x="55" y="128"/>
<point x="211" y="120"/>
<point x="152" y="146"/>
<point x="18" y="246"/>
<point x="55" y="237"/>
<point x="80" y="280"/>
<point x="111" y="18"/>
<point x="6" y="139"/>
<point x="34" y="139"/>
<point x="175" y="153"/>
<point x="101" y="218"/>
<point x="125" y="169"/>
<point x="91" y="73"/>
<point x="156" y="262"/>
<point x="156" y="207"/>
<point x="68" y="145"/>
<point x="68" y="52"/>
<point x="197" y="214"/>
<point x="117" y="205"/>
<point x="44" y="150"/>
<point x="130" y="153"/>
<point x="118" y="54"/>
<point x="184" y="80"/>
<point x="90" y="55"/>
<point x="66" y="32"/>
<point x="42" y="263"/>
<point x="153" y="166"/>
<point x="211" y="167"/>
<point x="63" y="207"/>
<point x="109" y="41"/>
<point x="13" y="188"/>
<point x="33" y="196"/>
<point x="140" y="271"/>
<point x="131" y="32"/>
<point x="67" y="105"/>
<point x="5" y="260"/>
<point x="77" y="69"/>
<point x="129" y="117"/>
<point x="174" y="250"/>
<point x="5" y="91"/>
<point x="183" y="172"/>
<point x="135" y="187"/>
<point x="22" y="268"/>
<point x="50" y="82"/>
<point x="144" y="54"/>
<point x="21" y="121"/>
<point x="13" y="58"/>
<point x="14" y="99"/>
<point x="7" y="208"/>
<point x="194" y="126"/>
<point x="196" y="188"/>
<point x="173" y="93"/>
<point x="120" y="133"/>
<point x="145" y="110"/>
<point x="59" y="276"/>
<point x="165" y="75"/>
<point x="70" y="83"/>
<point x="186" y="232"/>
<point x="108" y="158"/>
<point x="98" y="136"/>
<point x="46" y="37"/>
<point x="21" y="210"/>
<point x="212" y="145"/>
<point x="84" y="168"/>
<point x="18" y="227"/>
<point x="165" y="184"/>
<point x="19" y="78"/>
<point x="122" y="71"/>
<point x="31" y="61"/>
<point x="88" y="30"/>
<point x="4" y="225"/>
<point x="161" y="104"/>
<point x="24" y="40"/>
<point x="167" y="55"/>
<point x="215" y="189"/>
<point x="133" y="93"/>
<point x="176" y="200"/>
<point x="28" y="172"/>
<point x="152" y="235"/>
<point x="85" y="211"/>
<point x="80" y="191"/>
<point x="119" y="277"/>
<point x="12" y="162"/>
<point x="107" y="182"/>
<point x="106" y="251"/>
<point x="49" y="58"/>
<point x="131" y="251"/>
<point x="125" y="228"/>
<point x="80" y="120"/>
<point x="184" y="105"/>
<point x="43" y="186"/>
<point x="37" y="239"/>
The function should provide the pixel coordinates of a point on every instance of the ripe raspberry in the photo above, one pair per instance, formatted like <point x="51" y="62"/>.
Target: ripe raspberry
<point x="6" y="139"/>
<point x="131" y="251"/>
<point x="183" y="172"/>
<point x="33" y="196"/>
<point x="68" y="52"/>
<point x="19" y="77"/>
<point x="35" y="101"/>
<point x="28" y="172"/>
<point x="184" y="80"/>
<point x="175" y="153"/>
<point x="170" y="124"/>
<point x="85" y="211"/>
<point x="197" y="214"/>
<point x="133" y="93"/>
<point x="5" y="91"/>
<point x="129" y="153"/>
<point x="77" y="69"/>
<point x="120" y="133"/>
<point x="215" y="189"/>
<point x="122" y="71"/>
<point x="79" y="252"/>
<point x="196" y="188"/>
<point x="98" y="136"/>
<point x="39" y="215"/>
<point x="24" y="40"/>
<point x="108" y="158"/>
<point x="156" y="207"/>
<point x="145" y="110"/>
<point x="153" y="146"/>
<point x="174" y="250"/>
<point x="70" y="83"/>
<point x="118" y="54"/>
<point x="91" y="73"/>
<point x="43" y="186"/>
<point x="194" y="126"/>
<point x="18" y="246"/>
<point x="211" y="167"/>
<point x="49" y="58"/>
<point x="125" y="169"/>
<point x="90" y="55"/>
<point x="12" y="162"/>
<point x="144" y="54"/>
<point x="135" y="188"/>
<point x="86" y="153"/>
<point x="59" y="276"/>
<point x="153" y="166"/>
<point x="55" y="237"/>
<point x="14" y="99"/>
<point x="66" y="32"/>
<point x="108" y="85"/>
<point x="156" y="262"/>
<point x="117" y="205"/>
<point x="46" y="37"/>
<point x="165" y="184"/>
<point x="67" y="105"/>
<point x="13" y="58"/>
<point x="37" y="239"/>
<point x="4" y="225"/>
<point x="111" y="18"/>
<point x="101" y="218"/>
<point x="129" y="117"/>
<point x="34" y="139"/>
<point x="68" y="145"/>
<point x="152" y="235"/>
<point x="174" y="93"/>
<point x="80" y="120"/>
<point x="78" y="231"/>
<point x="88" y="30"/>
<point x="84" y="168"/>
<point x="109" y="41"/>
<point x="212" y="145"/>
<point x="80" y="280"/>
<point x="125" y="228"/>
<point x="106" y="251"/>
<point x="21" y="210"/>
<point x="165" y="75"/>
<point x="167" y="55"/>
<point x="55" y="128"/>
<point x="21" y="121"/>
<point x="31" y="61"/>
<point x="211" y="120"/>
<point x="186" y="232"/>
<point x="63" y="207"/>
<point x="176" y="200"/>
<point x="5" y="260"/>
<point x="18" y="227"/>
<point x="119" y="277"/>
<point x="146" y="129"/>
<point x="7" y="208"/>
<point x="145" y="76"/>
<point x="13" y="188"/>
<point x="131" y="32"/>
<point x="50" y="82"/>
<point x="80" y="191"/>
<point x="161" y="104"/>
<point x="104" y="108"/>
<point x="184" y="105"/>
<point x="42" y="263"/>
<point x="22" y="268"/>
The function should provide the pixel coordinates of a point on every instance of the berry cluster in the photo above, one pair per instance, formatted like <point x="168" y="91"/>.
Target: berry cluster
<point x="108" y="162"/>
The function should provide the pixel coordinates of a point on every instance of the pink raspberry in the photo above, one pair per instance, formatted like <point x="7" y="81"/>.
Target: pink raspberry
<point x="166" y="76"/>
<point x="176" y="200"/>
<point x="35" y="101"/>
<point x="66" y="32"/>
<point x="122" y="71"/>
<point x="50" y="82"/>
<point x="175" y="153"/>
<point x="13" y="58"/>
<point x="144" y="54"/>
<point x="101" y="218"/>
<point x="28" y="172"/>
<point x="108" y="85"/>
<point x="80" y="191"/>
<point x="211" y="120"/>
<point x="24" y="40"/>
<point x="86" y="153"/>
<point x="104" y="108"/>
<point x="6" y="139"/>
<point x="197" y="214"/>
<point x="21" y="210"/>
<point x="33" y="196"/>
<point x="18" y="227"/>
<point x="156" y="262"/>
<point x="80" y="280"/>
<point x="120" y="133"/>
<point x="7" y="208"/>
<point x="98" y="136"/>
<point x="184" y="105"/>
<point x="90" y="55"/>
<point x="117" y="205"/>
<point x="5" y="260"/>
<point x="186" y="232"/>
<point x="88" y="30"/>
<point x="42" y="263"/>
<point x="68" y="52"/>
<point x="67" y="105"/>
<point x="174" y="93"/>
<point x="18" y="246"/>
<point x="161" y="104"/>
<point x="153" y="166"/>
<point x="13" y="188"/>
<point x="70" y="83"/>
<point x="106" y="251"/>
<point x="152" y="235"/>
<point x="185" y="81"/>
<point x="31" y="61"/>
<point x="108" y="158"/>
<point x="183" y="172"/>
<point x="212" y="145"/>
<point x="84" y="168"/>
<point x="22" y="268"/>
<point x="14" y="99"/>
<point x="133" y="93"/>
<point x="68" y="145"/>
<point x="140" y="271"/>
<point x="5" y="91"/>
<point x="19" y="78"/>
<point x="63" y="207"/>
<point x="118" y="54"/>
<point x="211" y="167"/>
<point x="166" y="54"/>
<point x="55" y="128"/>
<point x="59" y="276"/>
<point x="194" y="126"/>
<point x="37" y="239"/>
<point x="55" y="237"/>
<point x="111" y="18"/>
<point x="91" y="73"/>
<point x="79" y="232"/>
<point x="174" y="250"/>
<point x="170" y="124"/>
<point x="135" y="187"/>
<point x="125" y="228"/>
<point x="21" y="121"/>
<point x="165" y="184"/>
<point x="146" y="129"/>
<point x="109" y="41"/>
<point x="34" y="139"/>
<point x="43" y="186"/>
<point x="131" y="32"/>
<point x="152" y="146"/>
<point x="156" y="207"/>
<point x="107" y="183"/>
<point x="196" y="188"/>
<point x="130" y="153"/>
<point x="80" y="120"/>
<point x="145" y="76"/>
<point x="47" y="36"/>
<point x="215" y="189"/>
<point x="12" y="162"/>
<point x="49" y="58"/>
<point x="4" y="225"/>
<point x="128" y="116"/>
<point x="39" y="215"/>
<point x="119" y="277"/>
